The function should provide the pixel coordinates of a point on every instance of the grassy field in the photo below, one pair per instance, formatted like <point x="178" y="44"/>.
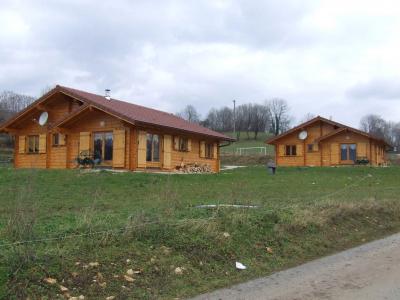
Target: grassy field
<point x="245" y="142"/>
<point x="87" y="229"/>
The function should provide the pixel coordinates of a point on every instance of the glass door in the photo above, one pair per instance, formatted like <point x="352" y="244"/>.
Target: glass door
<point x="103" y="146"/>
<point x="348" y="152"/>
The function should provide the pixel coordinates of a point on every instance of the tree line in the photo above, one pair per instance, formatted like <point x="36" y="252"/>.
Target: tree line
<point x="11" y="103"/>
<point x="272" y="116"/>
<point x="381" y="128"/>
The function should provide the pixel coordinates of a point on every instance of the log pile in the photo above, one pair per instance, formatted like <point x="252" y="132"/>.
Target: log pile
<point x="195" y="168"/>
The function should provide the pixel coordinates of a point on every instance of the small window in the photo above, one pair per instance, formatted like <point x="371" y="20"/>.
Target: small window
<point x="290" y="150"/>
<point x="33" y="144"/>
<point x="310" y="147"/>
<point x="56" y="139"/>
<point x="183" y="144"/>
<point x="209" y="150"/>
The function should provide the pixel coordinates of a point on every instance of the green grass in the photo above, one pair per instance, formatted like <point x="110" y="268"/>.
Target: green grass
<point x="245" y="142"/>
<point x="151" y="220"/>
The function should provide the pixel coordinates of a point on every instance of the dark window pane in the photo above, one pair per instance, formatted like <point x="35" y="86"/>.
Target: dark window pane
<point x="37" y="144"/>
<point x="108" y="147"/>
<point x="156" y="148"/>
<point x="149" y="147"/>
<point x="343" y="152"/>
<point x="56" y="138"/>
<point x="287" y="150"/>
<point x="98" y="146"/>
<point x="353" y="152"/>
<point x="310" y="147"/>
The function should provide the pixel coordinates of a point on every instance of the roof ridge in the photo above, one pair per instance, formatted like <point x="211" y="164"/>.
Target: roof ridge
<point x="142" y="114"/>
<point x="123" y="101"/>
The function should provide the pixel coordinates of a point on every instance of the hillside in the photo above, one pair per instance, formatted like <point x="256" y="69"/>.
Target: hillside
<point x="244" y="142"/>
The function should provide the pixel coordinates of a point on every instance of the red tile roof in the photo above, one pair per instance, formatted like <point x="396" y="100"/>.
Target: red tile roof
<point x="134" y="113"/>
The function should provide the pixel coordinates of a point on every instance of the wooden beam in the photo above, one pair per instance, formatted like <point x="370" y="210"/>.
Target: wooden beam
<point x="41" y="107"/>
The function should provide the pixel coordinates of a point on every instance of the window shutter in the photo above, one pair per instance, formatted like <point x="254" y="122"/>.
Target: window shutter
<point x="119" y="148"/>
<point x="142" y="146"/>
<point x="189" y="145"/>
<point x="167" y="151"/>
<point x="84" y="141"/>
<point x="282" y="150"/>
<point x="334" y="153"/>
<point x="316" y="147"/>
<point x="61" y="140"/>
<point x="299" y="150"/>
<point x="215" y="150"/>
<point x="176" y="143"/>
<point x="362" y="149"/>
<point x="202" y="149"/>
<point x="42" y="143"/>
<point x="21" y="144"/>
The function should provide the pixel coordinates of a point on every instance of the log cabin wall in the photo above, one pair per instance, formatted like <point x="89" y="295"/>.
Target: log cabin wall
<point x="193" y="155"/>
<point x="58" y="107"/>
<point x="308" y="151"/>
<point x="331" y="148"/>
<point x="91" y="122"/>
<point x="175" y="157"/>
<point x="326" y="152"/>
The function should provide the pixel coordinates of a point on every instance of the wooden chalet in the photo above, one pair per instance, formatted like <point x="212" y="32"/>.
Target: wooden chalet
<point x="323" y="142"/>
<point x="114" y="133"/>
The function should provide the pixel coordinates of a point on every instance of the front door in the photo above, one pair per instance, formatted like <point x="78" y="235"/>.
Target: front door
<point x="103" y="147"/>
<point x="348" y="153"/>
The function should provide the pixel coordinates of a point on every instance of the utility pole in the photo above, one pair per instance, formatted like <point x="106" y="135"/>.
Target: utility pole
<point x="234" y="117"/>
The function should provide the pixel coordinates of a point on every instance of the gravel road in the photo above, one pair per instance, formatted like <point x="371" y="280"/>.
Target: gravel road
<point x="371" y="271"/>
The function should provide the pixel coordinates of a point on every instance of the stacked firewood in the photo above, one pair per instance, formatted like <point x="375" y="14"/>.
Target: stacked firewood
<point x="196" y="168"/>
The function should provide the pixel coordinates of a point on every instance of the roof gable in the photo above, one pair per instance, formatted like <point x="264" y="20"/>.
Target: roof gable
<point x="340" y="128"/>
<point x="303" y="126"/>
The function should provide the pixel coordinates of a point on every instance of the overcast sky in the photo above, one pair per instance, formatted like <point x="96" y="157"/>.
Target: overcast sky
<point x="330" y="58"/>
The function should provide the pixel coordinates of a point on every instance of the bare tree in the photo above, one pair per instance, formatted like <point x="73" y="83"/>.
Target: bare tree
<point x="396" y="136"/>
<point x="260" y="119"/>
<point x="189" y="113"/>
<point x="11" y="103"/>
<point x="278" y="110"/>
<point x="375" y="125"/>
<point x="47" y="89"/>
<point x="307" y="117"/>
<point x="219" y="119"/>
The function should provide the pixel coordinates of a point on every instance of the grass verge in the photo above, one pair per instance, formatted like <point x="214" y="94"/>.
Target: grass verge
<point x="107" y="224"/>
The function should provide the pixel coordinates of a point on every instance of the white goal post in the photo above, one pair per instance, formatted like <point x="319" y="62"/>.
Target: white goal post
<point x="251" y="150"/>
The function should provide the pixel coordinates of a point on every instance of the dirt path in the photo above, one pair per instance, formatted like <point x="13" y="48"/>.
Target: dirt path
<point x="371" y="271"/>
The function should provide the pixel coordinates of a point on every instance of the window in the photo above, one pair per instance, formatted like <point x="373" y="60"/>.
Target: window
<point x="183" y="144"/>
<point x="310" y="147"/>
<point x="103" y="146"/>
<point x="348" y="152"/>
<point x="153" y="147"/>
<point x="209" y="151"/>
<point x="290" y="150"/>
<point x="33" y="144"/>
<point x="56" y="139"/>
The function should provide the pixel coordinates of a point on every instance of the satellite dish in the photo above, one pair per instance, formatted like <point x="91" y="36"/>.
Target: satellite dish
<point x="303" y="135"/>
<point x="44" y="116"/>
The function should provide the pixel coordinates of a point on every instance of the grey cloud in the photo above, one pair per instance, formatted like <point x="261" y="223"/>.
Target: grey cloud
<point x="167" y="54"/>
<point x="379" y="89"/>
